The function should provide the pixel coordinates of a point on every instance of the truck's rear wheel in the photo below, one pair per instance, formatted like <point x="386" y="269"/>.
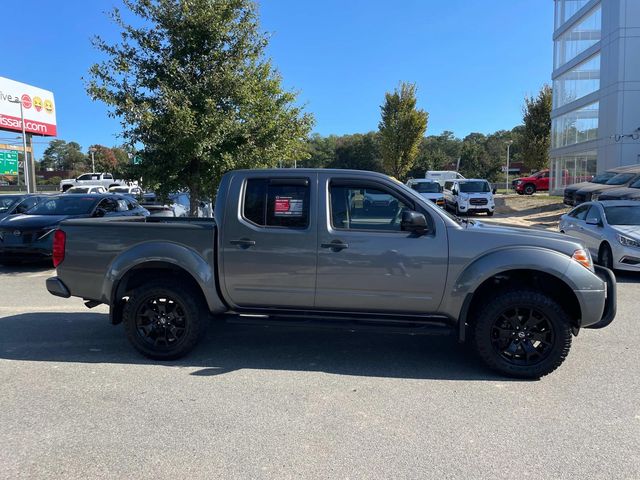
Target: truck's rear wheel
<point x="523" y="334"/>
<point x="164" y="321"/>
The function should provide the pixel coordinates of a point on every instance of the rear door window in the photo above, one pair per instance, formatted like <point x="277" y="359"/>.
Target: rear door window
<point x="277" y="202"/>
<point x="580" y="213"/>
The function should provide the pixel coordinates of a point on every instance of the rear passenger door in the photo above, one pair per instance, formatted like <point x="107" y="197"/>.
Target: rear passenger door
<point x="269" y="238"/>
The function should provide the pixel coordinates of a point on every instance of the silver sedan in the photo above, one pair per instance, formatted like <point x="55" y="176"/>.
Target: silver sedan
<point x="610" y="229"/>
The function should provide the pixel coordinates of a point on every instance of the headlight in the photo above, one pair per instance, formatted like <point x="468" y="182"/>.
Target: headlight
<point x="464" y="196"/>
<point x="628" y="242"/>
<point x="518" y="182"/>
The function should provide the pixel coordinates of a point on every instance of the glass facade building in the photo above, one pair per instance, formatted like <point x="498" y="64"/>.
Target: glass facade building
<point x="596" y="89"/>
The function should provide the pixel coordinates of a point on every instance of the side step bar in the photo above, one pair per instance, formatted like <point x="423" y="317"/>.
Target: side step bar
<point x="426" y="327"/>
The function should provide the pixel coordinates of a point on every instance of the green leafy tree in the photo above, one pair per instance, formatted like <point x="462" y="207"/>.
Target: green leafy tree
<point x="537" y="129"/>
<point x="358" y="152"/>
<point x="436" y="152"/>
<point x="321" y="151"/>
<point x="193" y="90"/>
<point x="60" y="155"/>
<point x="401" y="129"/>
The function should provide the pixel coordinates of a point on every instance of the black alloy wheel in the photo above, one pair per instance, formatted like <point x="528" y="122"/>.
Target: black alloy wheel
<point x="161" y="321"/>
<point x="529" y="190"/>
<point x="522" y="336"/>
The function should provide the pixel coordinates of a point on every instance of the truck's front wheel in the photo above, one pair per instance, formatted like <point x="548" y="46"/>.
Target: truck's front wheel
<point x="164" y="321"/>
<point x="523" y="334"/>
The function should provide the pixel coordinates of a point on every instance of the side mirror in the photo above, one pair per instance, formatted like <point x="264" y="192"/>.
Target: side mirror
<point x="593" y="221"/>
<point x="413" y="222"/>
<point x="100" y="212"/>
<point x="494" y="191"/>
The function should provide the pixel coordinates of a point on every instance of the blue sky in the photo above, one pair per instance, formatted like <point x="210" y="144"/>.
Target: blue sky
<point x="473" y="61"/>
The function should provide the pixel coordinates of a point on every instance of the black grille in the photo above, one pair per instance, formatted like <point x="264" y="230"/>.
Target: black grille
<point x="478" y="201"/>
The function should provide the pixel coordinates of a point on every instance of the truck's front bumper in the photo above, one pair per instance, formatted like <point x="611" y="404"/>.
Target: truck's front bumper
<point x="611" y="301"/>
<point x="57" y="287"/>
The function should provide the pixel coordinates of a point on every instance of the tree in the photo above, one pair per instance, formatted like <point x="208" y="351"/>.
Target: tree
<point x="537" y="129"/>
<point x="60" y="155"/>
<point x="358" y="152"/>
<point x="321" y="151"/>
<point x="192" y="87"/>
<point x="401" y="129"/>
<point x="436" y="152"/>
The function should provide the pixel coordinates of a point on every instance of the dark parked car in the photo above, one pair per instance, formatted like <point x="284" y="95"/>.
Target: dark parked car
<point x="592" y="193"/>
<point x="600" y="179"/>
<point x="632" y="192"/>
<point x="19" y="203"/>
<point x="30" y="236"/>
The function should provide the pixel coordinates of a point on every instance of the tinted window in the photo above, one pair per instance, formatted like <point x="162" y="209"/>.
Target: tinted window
<point x="474" y="187"/>
<point x="603" y="177"/>
<point x="122" y="205"/>
<point x="426" y="187"/>
<point x="594" y="213"/>
<point x="88" y="176"/>
<point x="624" y="215"/>
<point x="277" y="203"/>
<point x="107" y="176"/>
<point x="635" y="184"/>
<point x="64" y="205"/>
<point x="365" y="208"/>
<point x="27" y="204"/>
<point x="448" y="185"/>
<point x="131" y="204"/>
<point x="621" y="178"/>
<point x="7" y="201"/>
<point x="108" y="205"/>
<point x="580" y="213"/>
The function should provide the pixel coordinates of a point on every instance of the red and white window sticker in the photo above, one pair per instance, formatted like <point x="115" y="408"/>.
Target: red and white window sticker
<point x="288" y="207"/>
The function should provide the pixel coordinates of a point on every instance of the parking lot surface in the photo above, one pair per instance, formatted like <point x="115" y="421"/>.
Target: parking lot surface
<point x="78" y="402"/>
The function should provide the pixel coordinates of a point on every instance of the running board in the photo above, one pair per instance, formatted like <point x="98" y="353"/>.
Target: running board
<point x="429" y="327"/>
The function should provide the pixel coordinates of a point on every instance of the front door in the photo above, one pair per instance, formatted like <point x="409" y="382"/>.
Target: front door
<point x="268" y="245"/>
<point x="366" y="263"/>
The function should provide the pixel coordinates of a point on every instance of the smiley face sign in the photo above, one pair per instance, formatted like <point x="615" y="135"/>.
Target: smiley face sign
<point x="48" y="106"/>
<point x="37" y="103"/>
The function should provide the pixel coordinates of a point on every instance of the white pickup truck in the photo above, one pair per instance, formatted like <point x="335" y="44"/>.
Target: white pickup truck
<point x="105" y="179"/>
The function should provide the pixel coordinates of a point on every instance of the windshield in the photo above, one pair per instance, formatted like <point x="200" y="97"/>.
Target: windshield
<point x="78" y="190"/>
<point x="620" y="178"/>
<point x="603" y="177"/>
<point x="474" y="187"/>
<point x="426" y="187"/>
<point x="68" y="205"/>
<point x="635" y="184"/>
<point x="623" y="215"/>
<point x="7" y="201"/>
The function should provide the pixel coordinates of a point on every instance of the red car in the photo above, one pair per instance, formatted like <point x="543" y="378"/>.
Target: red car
<point x="538" y="182"/>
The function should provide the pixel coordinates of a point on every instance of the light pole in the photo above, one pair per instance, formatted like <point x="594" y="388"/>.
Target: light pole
<point x="26" y="168"/>
<point x="509" y="142"/>
<point x="92" y="150"/>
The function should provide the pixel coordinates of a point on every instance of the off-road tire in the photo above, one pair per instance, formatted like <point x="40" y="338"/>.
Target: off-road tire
<point x="484" y="333"/>
<point x="192" y="311"/>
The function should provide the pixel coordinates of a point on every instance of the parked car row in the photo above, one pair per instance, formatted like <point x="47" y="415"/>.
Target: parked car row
<point x="614" y="184"/>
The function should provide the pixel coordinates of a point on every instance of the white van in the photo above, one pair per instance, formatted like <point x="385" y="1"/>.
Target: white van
<point x="442" y="176"/>
<point x="469" y="195"/>
<point x="429" y="189"/>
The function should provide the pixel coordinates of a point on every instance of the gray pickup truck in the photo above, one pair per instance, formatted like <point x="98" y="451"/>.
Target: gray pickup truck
<point x="297" y="246"/>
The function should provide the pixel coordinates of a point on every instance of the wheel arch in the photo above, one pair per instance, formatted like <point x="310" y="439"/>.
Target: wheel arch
<point x="154" y="260"/>
<point x="545" y="270"/>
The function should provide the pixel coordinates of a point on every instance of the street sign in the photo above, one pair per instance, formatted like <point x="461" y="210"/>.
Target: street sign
<point x="8" y="163"/>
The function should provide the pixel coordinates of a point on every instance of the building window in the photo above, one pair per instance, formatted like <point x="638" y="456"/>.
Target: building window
<point x="578" y="82"/>
<point x="578" y="126"/>
<point x="575" y="168"/>
<point x="565" y="9"/>
<point x="578" y="38"/>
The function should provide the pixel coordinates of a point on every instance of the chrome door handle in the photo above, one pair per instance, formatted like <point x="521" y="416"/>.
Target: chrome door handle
<point x="335" y="246"/>
<point x="243" y="243"/>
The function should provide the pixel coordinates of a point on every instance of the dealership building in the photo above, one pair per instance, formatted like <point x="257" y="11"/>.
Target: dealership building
<point x="595" y="121"/>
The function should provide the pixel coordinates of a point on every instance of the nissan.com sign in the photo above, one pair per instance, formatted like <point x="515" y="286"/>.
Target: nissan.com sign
<point x="38" y="107"/>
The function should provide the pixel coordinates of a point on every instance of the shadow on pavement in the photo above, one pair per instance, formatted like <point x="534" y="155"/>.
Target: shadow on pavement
<point x="34" y="267"/>
<point x="627" y="277"/>
<point x="89" y="338"/>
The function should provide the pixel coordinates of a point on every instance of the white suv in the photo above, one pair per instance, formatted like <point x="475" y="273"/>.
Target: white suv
<point x="470" y="195"/>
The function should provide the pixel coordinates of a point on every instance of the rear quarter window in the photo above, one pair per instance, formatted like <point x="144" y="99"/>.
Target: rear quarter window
<point x="277" y="202"/>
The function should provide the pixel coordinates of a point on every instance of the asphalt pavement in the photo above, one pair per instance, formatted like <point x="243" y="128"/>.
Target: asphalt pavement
<point x="76" y="401"/>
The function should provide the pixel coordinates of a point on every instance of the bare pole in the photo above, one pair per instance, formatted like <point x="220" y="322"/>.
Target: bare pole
<point x="27" y="169"/>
